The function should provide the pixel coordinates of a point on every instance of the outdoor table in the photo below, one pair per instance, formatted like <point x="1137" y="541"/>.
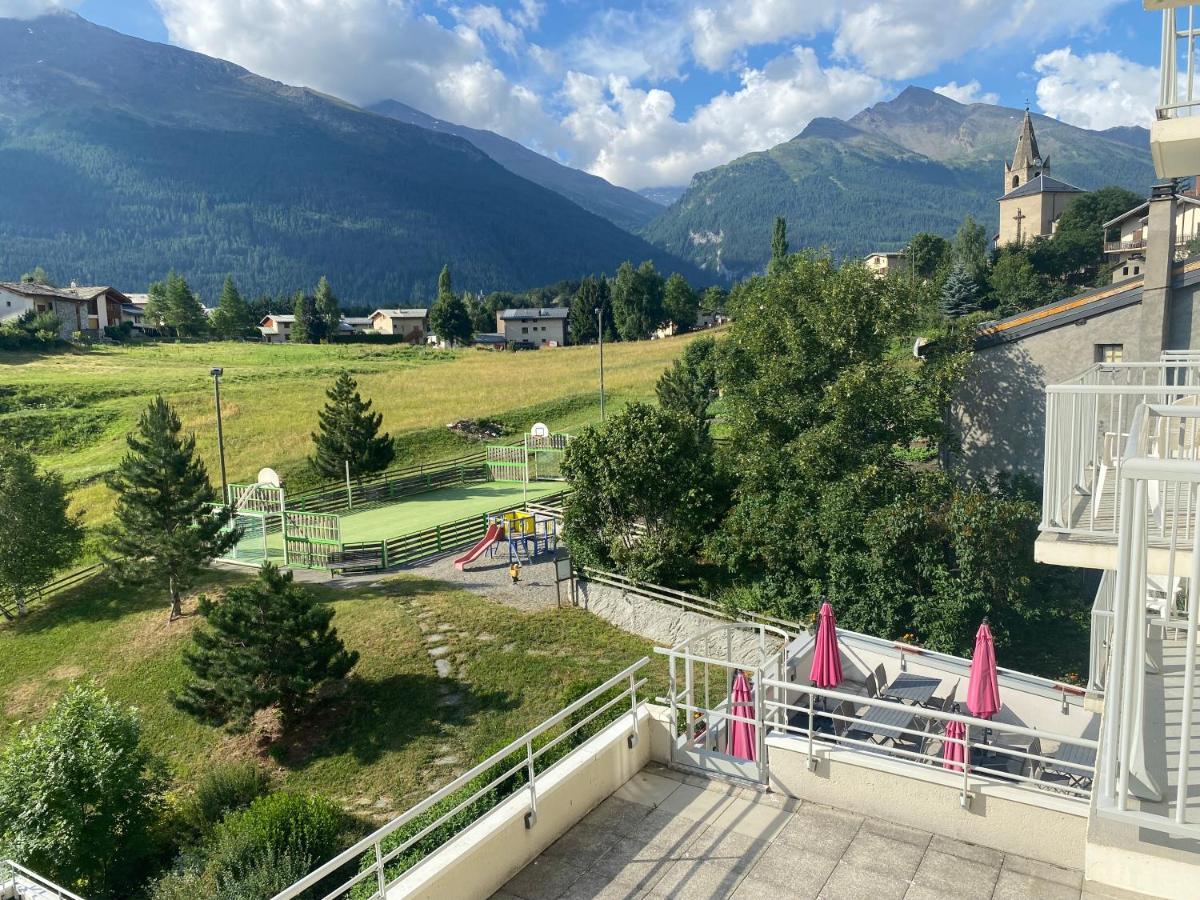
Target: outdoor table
<point x="1080" y="756"/>
<point x="885" y="723"/>
<point x="918" y="689"/>
<point x="985" y="756"/>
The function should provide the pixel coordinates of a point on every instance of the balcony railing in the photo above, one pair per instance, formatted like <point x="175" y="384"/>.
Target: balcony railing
<point x="1124" y="246"/>
<point x="1147" y="760"/>
<point x="1101" y="634"/>
<point x="379" y="860"/>
<point x="18" y="882"/>
<point x="1088" y="422"/>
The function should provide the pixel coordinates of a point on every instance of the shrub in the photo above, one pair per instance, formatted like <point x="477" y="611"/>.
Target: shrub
<point x="223" y="790"/>
<point x="301" y="825"/>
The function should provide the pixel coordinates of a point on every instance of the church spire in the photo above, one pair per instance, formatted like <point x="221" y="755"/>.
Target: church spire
<point x="1027" y="163"/>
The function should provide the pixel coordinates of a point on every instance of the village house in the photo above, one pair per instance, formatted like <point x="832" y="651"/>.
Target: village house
<point x="411" y="323"/>
<point x="87" y="310"/>
<point x="544" y="326"/>
<point x="1128" y="251"/>
<point x="885" y="262"/>
<point x="276" y="328"/>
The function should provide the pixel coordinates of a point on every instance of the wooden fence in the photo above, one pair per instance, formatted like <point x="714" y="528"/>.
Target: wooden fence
<point x="65" y="583"/>
<point x="421" y="545"/>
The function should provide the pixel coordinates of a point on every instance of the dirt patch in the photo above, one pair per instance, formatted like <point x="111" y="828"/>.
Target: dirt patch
<point x="36" y="694"/>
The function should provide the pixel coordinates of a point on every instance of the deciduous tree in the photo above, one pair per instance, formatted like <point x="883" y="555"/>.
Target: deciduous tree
<point x="38" y="535"/>
<point x="637" y="300"/>
<point x="680" y="302"/>
<point x="266" y="643"/>
<point x="79" y="795"/>
<point x="448" y="317"/>
<point x="164" y="529"/>
<point x="349" y="432"/>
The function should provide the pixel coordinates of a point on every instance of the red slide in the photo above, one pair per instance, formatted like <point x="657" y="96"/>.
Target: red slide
<point x="494" y="533"/>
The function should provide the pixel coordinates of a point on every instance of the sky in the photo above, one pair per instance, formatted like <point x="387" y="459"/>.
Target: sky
<point x="647" y="94"/>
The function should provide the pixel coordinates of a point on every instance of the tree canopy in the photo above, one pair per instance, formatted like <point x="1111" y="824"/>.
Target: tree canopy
<point x="348" y="432"/>
<point x="173" y="305"/>
<point x="232" y="317"/>
<point x="448" y="317"/>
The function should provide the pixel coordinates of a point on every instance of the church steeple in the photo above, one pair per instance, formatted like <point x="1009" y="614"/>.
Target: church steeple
<point x="1027" y="162"/>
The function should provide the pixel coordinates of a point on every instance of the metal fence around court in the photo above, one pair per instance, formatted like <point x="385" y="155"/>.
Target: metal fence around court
<point x="384" y="487"/>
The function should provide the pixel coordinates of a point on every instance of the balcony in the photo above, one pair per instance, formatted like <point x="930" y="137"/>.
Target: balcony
<point x="1125" y="246"/>
<point x="19" y="883"/>
<point x="1088" y="426"/>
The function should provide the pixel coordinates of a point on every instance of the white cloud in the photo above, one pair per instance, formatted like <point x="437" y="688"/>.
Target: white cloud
<point x="632" y="137"/>
<point x="632" y="44"/>
<point x="371" y="50"/>
<point x="891" y="39"/>
<point x="1099" y="90"/>
<point x="29" y="9"/>
<point x="971" y="92"/>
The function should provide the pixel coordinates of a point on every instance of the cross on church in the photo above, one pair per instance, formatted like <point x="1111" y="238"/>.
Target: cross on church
<point x="1020" y="218"/>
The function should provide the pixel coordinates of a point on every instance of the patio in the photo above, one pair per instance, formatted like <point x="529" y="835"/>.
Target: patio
<point x="665" y="834"/>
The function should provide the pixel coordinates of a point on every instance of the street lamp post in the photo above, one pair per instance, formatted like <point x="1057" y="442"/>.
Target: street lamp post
<point x="600" y="333"/>
<point x="216" y="373"/>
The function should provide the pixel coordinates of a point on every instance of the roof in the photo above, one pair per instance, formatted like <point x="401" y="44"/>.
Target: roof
<point x="29" y="289"/>
<point x="1138" y="210"/>
<point x="887" y="253"/>
<point x="276" y="317"/>
<point x="490" y="337"/>
<point x="1027" y="153"/>
<point x="412" y="313"/>
<point x="1073" y="309"/>
<point x="133" y="309"/>
<point x="1042" y="184"/>
<point x="357" y="320"/>
<point x="540" y="312"/>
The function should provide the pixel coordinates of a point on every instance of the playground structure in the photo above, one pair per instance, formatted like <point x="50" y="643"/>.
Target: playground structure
<point x="371" y="536"/>
<point x="527" y="534"/>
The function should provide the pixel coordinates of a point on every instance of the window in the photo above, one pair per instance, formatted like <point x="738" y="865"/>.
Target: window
<point x="1016" y="181"/>
<point x="524" y="330"/>
<point x="1125" y="271"/>
<point x="1110" y="353"/>
<point x="1137" y="269"/>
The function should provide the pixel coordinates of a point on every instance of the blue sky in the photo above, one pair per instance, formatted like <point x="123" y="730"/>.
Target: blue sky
<point x="647" y="94"/>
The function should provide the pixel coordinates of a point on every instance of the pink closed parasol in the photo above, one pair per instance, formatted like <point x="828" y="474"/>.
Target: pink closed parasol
<point x="826" y="669"/>
<point x="954" y="751"/>
<point x="742" y="743"/>
<point x="983" y="690"/>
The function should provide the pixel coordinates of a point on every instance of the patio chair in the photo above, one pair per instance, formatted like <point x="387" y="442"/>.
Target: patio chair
<point x="868" y="687"/>
<point x="881" y="681"/>
<point x="946" y="703"/>
<point x="1034" y="765"/>
<point x="841" y="726"/>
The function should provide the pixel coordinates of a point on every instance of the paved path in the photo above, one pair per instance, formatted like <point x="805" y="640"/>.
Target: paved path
<point x="667" y="835"/>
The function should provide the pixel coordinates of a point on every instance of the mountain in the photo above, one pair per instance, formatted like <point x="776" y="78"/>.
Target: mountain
<point x="623" y="208"/>
<point x="123" y="158"/>
<point x="920" y="162"/>
<point x="664" y="196"/>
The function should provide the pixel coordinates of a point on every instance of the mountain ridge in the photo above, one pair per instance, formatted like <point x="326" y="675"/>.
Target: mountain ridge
<point x="129" y="157"/>
<point x="918" y="162"/>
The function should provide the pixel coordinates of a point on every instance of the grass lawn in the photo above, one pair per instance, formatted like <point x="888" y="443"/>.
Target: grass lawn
<point x="421" y="511"/>
<point x="395" y="732"/>
<point x="74" y="409"/>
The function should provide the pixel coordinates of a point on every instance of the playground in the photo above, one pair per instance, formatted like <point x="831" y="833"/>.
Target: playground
<point x="400" y="515"/>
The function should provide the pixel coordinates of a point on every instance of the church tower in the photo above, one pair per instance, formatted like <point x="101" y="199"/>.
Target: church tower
<point x="1032" y="201"/>
<point x="1027" y="162"/>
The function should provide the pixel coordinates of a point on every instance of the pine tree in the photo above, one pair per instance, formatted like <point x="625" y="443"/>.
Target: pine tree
<point x="328" y="308"/>
<point x="779" y="242"/>
<point x="38" y="535"/>
<point x="173" y="305"/>
<point x="308" y="328"/>
<point x="266" y="643"/>
<point x="231" y="319"/>
<point x="448" y="317"/>
<point x="165" y="530"/>
<point x="960" y="293"/>
<point x="349" y="432"/>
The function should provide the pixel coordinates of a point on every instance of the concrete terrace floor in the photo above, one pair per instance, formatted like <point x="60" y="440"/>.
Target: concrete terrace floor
<point x="664" y="834"/>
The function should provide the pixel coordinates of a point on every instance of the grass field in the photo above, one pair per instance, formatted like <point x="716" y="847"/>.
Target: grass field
<point x="397" y="730"/>
<point x="74" y="409"/>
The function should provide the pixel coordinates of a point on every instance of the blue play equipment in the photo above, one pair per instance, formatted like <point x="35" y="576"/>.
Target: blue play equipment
<point x="528" y="535"/>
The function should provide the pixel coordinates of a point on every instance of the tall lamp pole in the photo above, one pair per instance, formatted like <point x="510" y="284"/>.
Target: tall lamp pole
<point x="600" y="333"/>
<point x="216" y="373"/>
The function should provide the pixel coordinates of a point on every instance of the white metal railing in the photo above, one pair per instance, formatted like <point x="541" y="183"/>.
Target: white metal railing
<point x="16" y="882"/>
<point x="374" y="859"/>
<point x="1101" y="634"/>
<point x="1137" y="746"/>
<point x="1029" y="759"/>
<point x="1177" y="94"/>
<point x="1088" y="420"/>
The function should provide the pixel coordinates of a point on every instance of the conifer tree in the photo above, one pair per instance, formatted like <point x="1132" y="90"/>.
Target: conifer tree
<point x="308" y="328"/>
<point x="231" y="319"/>
<point x="328" y="308"/>
<point x="266" y="643"/>
<point x="165" y="530"/>
<point x="960" y="293"/>
<point x="172" y="304"/>
<point x="582" y="320"/>
<point x="448" y="317"/>
<point x="38" y="536"/>
<point x="779" y="242"/>
<point x="349" y="432"/>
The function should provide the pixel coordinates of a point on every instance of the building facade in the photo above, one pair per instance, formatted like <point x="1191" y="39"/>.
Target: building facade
<point x="544" y="326"/>
<point x="18" y="298"/>
<point x="885" y="262"/>
<point x="1128" y="249"/>
<point x="1032" y="201"/>
<point x="412" y="324"/>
